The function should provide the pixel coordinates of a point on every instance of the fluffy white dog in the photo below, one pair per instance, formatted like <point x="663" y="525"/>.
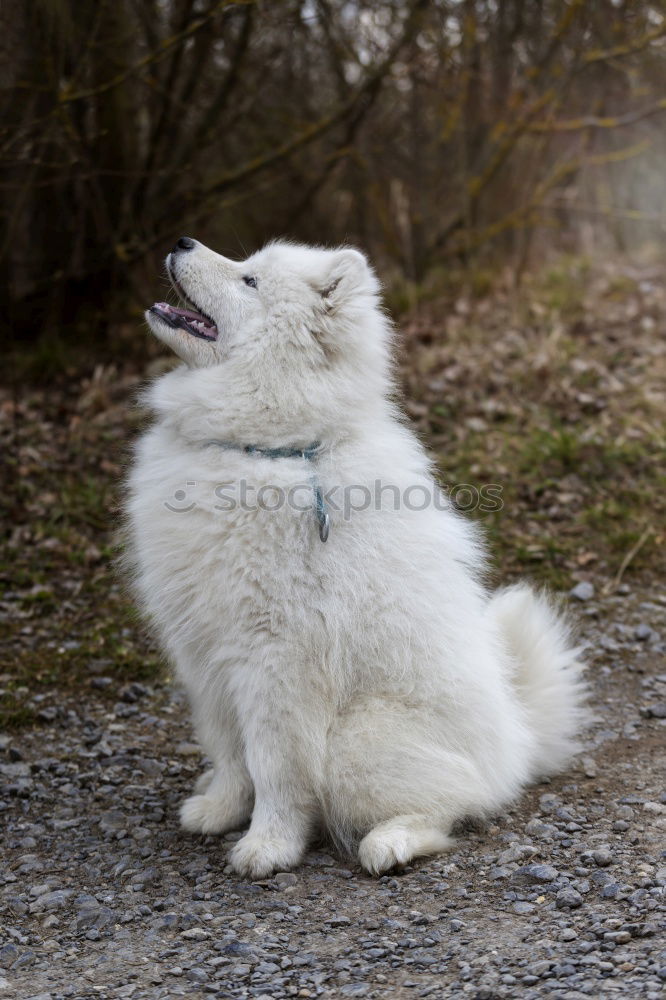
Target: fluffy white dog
<point x="368" y="685"/>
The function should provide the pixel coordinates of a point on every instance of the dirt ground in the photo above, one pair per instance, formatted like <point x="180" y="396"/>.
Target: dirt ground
<point x="104" y="897"/>
<point x="559" y="397"/>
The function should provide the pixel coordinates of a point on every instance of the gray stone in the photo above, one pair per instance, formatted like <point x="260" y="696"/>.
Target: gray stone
<point x="8" y="955"/>
<point x="523" y="908"/>
<point x="197" y="975"/>
<point x="535" y="873"/>
<point x="195" y="934"/>
<point x="25" y="960"/>
<point x="590" y="767"/>
<point x="94" y="916"/>
<point x="16" y="770"/>
<point x="583" y="591"/>
<point x="113" y="822"/>
<point x="568" y="899"/>
<point x="285" y="879"/>
<point x="516" y="852"/>
<point x="51" y="900"/>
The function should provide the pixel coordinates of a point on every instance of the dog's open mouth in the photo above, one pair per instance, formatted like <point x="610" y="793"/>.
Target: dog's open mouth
<point x="191" y="320"/>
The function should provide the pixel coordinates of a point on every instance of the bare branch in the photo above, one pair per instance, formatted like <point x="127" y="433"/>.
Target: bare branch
<point x="66" y="96"/>
<point x="559" y="173"/>
<point x="592" y="121"/>
<point x="356" y="104"/>
<point x="200" y="133"/>
<point x="628" y="48"/>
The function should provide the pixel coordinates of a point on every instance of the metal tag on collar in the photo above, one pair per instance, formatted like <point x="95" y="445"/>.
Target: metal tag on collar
<point x="323" y="520"/>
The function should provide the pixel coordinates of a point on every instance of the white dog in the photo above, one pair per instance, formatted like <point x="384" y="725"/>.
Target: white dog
<point x="368" y="685"/>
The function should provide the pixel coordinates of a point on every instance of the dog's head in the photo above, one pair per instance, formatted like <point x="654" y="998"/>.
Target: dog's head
<point x="288" y="324"/>
<point x="284" y="298"/>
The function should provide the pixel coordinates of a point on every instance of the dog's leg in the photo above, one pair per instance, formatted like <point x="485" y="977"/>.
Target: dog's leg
<point x="224" y="794"/>
<point x="225" y="805"/>
<point x="276" y="840"/>
<point x="400" y="839"/>
<point x="390" y="776"/>
<point x="285" y="809"/>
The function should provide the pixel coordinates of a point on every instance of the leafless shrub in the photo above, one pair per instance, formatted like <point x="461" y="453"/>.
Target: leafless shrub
<point x="427" y="130"/>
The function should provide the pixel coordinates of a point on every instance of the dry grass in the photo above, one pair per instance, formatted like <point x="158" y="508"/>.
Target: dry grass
<point x="558" y="395"/>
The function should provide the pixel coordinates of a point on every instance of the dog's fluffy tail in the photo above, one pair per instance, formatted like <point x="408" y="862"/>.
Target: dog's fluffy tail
<point x="547" y="673"/>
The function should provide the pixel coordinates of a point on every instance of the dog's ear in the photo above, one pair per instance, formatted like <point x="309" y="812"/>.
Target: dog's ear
<point x="348" y="272"/>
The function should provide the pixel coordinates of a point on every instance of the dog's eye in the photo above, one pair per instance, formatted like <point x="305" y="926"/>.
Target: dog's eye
<point x="249" y="280"/>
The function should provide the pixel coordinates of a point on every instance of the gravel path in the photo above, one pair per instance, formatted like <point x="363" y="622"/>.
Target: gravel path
<point x="102" y="896"/>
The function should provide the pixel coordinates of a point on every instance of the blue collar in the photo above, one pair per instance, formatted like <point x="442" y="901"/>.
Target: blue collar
<point x="309" y="454"/>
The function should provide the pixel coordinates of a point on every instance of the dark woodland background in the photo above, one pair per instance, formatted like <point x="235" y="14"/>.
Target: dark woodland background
<point x="430" y="132"/>
<point x="503" y="162"/>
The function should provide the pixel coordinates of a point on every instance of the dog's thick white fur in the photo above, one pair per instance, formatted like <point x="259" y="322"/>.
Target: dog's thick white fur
<point x="371" y="685"/>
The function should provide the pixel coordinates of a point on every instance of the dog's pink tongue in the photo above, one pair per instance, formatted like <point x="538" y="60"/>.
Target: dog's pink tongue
<point x="185" y="313"/>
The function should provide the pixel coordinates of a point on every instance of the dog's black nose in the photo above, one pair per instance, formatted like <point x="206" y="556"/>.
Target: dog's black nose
<point x="184" y="243"/>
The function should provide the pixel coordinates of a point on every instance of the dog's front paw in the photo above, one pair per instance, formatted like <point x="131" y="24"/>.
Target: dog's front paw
<point x="258" y="857"/>
<point x="204" y="814"/>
